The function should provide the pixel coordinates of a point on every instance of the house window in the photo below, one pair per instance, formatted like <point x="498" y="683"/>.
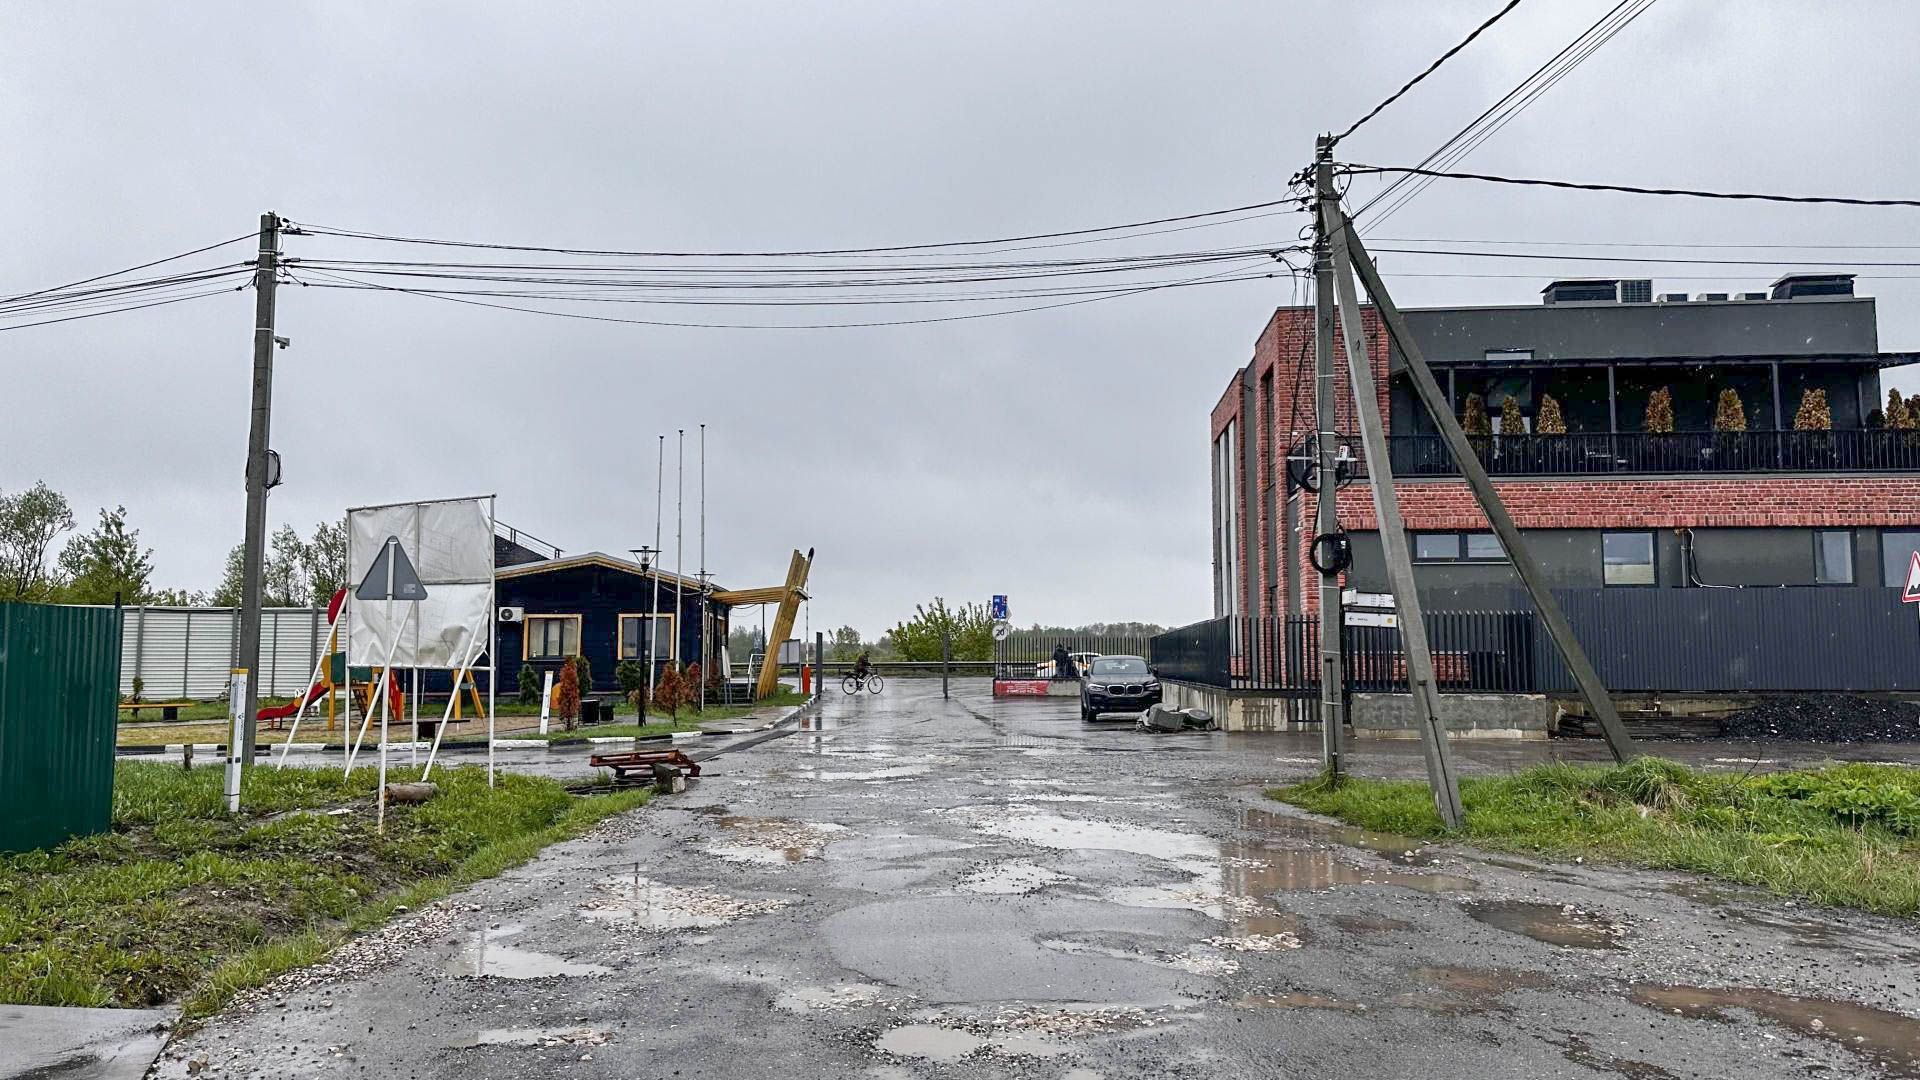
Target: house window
<point x="1457" y="547"/>
<point x="633" y="643"/>
<point x="551" y="637"/>
<point x="1896" y="554"/>
<point x="1833" y="557"/>
<point x="1626" y="558"/>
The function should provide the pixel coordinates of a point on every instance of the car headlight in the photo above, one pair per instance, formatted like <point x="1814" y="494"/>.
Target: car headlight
<point x="1152" y="684"/>
<point x="1096" y="688"/>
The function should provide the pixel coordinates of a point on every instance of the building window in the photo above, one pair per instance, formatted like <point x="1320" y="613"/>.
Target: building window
<point x="1833" y="557"/>
<point x="1457" y="547"/>
<point x="1626" y="558"/>
<point x="551" y="637"/>
<point x="633" y="643"/>
<point x="1896" y="555"/>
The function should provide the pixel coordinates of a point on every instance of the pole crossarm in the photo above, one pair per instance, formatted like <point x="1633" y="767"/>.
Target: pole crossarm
<point x="1599" y="703"/>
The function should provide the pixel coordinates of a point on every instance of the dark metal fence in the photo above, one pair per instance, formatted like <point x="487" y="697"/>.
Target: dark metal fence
<point x="1640" y="641"/>
<point x="59" y="685"/>
<point x="1028" y="654"/>
<point x="1707" y="452"/>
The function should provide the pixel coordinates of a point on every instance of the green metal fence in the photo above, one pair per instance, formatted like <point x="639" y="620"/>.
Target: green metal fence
<point x="59" y="685"/>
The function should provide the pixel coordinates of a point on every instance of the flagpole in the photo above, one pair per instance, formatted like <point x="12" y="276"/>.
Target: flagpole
<point x="653" y="620"/>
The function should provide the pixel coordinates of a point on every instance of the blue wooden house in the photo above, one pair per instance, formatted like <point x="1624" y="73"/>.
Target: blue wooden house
<point x="601" y="607"/>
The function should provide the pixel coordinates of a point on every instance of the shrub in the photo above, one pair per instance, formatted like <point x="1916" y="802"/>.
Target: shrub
<point x="1729" y="414"/>
<point x="1512" y="422"/>
<point x="529" y="684"/>
<point x="1897" y="416"/>
<point x="669" y="691"/>
<point x="585" y="673"/>
<point x="1473" y="418"/>
<point x="567" y="693"/>
<point x="1549" y="421"/>
<point x="1913" y="409"/>
<point x="1659" y="420"/>
<point x="1813" y="414"/>
<point x="690" y="685"/>
<point x="632" y="675"/>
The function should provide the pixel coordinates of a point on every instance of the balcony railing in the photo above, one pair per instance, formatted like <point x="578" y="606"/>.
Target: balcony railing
<point x="1583" y="454"/>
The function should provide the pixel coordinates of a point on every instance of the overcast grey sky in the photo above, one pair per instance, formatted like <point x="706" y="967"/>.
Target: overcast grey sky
<point x="1058" y="456"/>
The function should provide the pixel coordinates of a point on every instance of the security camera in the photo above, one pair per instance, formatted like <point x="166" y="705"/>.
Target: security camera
<point x="283" y="342"/>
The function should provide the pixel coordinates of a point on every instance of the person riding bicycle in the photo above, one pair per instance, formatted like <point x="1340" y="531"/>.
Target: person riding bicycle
<point x="862" y="666"/>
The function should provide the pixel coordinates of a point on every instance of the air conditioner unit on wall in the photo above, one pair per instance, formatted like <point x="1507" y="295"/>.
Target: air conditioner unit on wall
<point x="513" y="614"/>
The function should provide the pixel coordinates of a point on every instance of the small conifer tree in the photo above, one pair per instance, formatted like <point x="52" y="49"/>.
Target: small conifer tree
<point x="1729" y="414"/>
<point x="1813" y="414"/>
<point x="1511" y="420"/>
<point x="1474" y="420"/>
<point x="1659" y="420"/>
<point x="567" y="695"/>
<point x="1549" y="421"/>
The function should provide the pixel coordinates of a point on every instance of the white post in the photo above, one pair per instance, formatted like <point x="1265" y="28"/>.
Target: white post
<point x="379" y="687"/>
<point x="236" y="735"/>
<point x="468" y="656"/>
<point x="493" y="643"/>
<point x="546" y="700"/>
<point x="413" y="705"/>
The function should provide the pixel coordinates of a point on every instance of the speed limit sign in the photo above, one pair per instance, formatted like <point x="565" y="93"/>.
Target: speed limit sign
<point x="1002" y="630"/>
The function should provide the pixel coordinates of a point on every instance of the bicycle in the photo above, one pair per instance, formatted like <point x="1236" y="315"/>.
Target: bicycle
<point x="853" y="684"/>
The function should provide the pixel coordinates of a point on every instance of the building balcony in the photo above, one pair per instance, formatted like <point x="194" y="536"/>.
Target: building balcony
<point x="1680" y="452"/>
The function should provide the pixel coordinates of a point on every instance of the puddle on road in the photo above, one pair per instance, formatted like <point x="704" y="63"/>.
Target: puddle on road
<point x="1011" y="879"/>
<point x="896" y="772"/>
<point x="1372" y="924"/>
<point x="1482" y="982"/>
<point x="1738" y="903"/>
<point x="930" y="1042"/>
<point x="1887" y="1039"/>
<point x="1554" y="924"/>
<point x="648" y="905"/>
<point x="482" y="957"/>
<point x="1078" y="834"/>
<point x="1310" y="870"/>
<point x="1292" y="826"/>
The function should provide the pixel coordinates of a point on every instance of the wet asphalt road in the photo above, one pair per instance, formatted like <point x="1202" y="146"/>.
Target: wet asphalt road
<point x="908" y="887"/>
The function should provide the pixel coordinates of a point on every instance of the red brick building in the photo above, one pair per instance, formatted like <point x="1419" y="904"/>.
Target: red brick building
<point x="1700" y="502"/>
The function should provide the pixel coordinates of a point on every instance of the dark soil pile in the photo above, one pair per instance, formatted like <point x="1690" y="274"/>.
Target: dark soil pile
<point x="1836" y="718"/>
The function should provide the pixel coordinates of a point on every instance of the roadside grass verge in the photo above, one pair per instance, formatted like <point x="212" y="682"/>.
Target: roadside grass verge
<point x="1848" y="835"/>
<point x="181" y="901"/>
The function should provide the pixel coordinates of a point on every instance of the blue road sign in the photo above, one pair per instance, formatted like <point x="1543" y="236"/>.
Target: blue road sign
<point x="998" y="609"/>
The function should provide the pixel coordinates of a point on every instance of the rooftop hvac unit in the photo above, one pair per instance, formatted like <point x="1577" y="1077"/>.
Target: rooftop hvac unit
<point x="1673" y="298"/>
<point x="1636" y="290"/>
<point x="1711" y="296"/>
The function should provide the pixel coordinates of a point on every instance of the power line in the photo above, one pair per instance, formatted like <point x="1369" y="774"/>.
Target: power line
<point x="1220" y="277"/>
<point x="1430" y="69"/>
<point x="1661" y="259"/>
<point x="1676" y="244"/>
<point x="328" y="230"/>
<point x="1510" y="105"/>
<point x="119" y="310"/>
<point x="1629" y="189"/>
<point x="128" y="270"/>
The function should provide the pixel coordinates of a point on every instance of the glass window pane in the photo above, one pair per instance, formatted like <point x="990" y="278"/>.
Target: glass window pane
<point x="1484" y="546"/>
<point x="569" y="637"/>
<point x="1627" y="558"/>
<point x="1433" y="546"/>
<point x="1833" y="557"/>
<point x="1897" y="547"/>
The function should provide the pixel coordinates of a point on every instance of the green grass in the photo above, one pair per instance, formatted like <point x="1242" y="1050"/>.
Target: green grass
<point x="1848" y="835"/>
<point x="181" y="901"/>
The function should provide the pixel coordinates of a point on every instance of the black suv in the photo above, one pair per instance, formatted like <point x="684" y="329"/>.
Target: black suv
<point x="1117" y="684"/>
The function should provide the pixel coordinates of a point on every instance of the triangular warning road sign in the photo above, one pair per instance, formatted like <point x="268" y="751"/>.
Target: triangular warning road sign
<point x="1911" y="594"/>
<point x="391" y="577"/>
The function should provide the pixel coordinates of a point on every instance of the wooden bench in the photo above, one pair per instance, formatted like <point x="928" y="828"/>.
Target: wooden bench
<point x="169" y="710"/>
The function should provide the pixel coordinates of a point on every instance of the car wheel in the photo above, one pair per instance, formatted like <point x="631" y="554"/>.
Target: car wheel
<point x="1087" y="716"/>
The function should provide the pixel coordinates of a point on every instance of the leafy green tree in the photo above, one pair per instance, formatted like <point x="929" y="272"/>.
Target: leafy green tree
<point x="919" y="637"/>
<point x="106" y="562"/>
<point x="324" y="561"/>
<point x="29" y="522"/>
<point x="843" y="644"/>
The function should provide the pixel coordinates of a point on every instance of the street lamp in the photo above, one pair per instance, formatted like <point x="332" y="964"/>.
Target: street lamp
<point x="645" y="557"/>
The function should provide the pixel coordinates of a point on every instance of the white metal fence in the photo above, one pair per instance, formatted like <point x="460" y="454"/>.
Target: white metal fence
<point x="187" y="653"/>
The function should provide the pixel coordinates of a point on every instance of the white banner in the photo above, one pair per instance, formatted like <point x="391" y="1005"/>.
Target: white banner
<point x="450" y="547"/>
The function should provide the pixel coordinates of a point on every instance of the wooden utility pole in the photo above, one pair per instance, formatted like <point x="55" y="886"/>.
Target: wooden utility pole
<point x="265" y="280"/>
<point x="1326" y="519"/>
<point x="1599" y="703"/>
<point x="1392" y="529"/>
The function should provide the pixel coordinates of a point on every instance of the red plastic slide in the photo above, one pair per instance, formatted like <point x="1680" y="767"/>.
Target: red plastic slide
<point x="281" y="712"/>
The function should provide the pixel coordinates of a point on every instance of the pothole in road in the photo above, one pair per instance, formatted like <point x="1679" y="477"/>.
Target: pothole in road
<point x="1011" y="879"/>
<point x="1078" y="834"/>
<point x="844" y="998"/>
<point x="644" y="903"/>
<point x="541" y="1036"/>
<point x="1310" y="870"/>
<point x="482" y="957"/>
<point x="1889" y="1040"/>
<point x="1554" y="924"/>
<point x="772" y="841"/>
<point x="931" y="1042"/>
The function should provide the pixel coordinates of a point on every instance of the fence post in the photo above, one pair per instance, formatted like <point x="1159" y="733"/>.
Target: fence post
<point x="946" y="661"/>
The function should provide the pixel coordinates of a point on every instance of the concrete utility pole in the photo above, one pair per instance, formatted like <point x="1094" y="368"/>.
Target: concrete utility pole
<point x="1421" y="681"/>
<point x="706" y="623"/>
<point x="653" y="618"/>
<point x="1326" y="516"/>
<point x="265" y="280"/>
